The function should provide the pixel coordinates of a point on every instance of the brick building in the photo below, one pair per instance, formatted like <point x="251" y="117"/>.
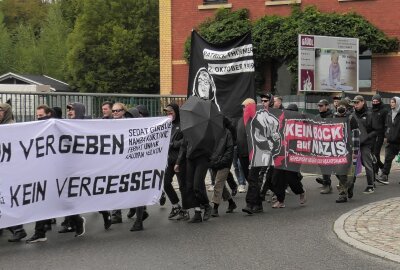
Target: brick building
<point x="179" y="17"/>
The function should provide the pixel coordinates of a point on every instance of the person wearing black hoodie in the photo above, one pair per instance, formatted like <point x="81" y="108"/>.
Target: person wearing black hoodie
<point x="379" y="114"/>
<point x="220" y="164"/>
<point x="393" y="139"/>
<point x="75" y="110"/>
<point x="172" y="111"/>
<point x="367" y="138"/>
<point x="325" y="112"/>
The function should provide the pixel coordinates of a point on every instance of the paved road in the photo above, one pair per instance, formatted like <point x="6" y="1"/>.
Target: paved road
<point x="296" y="237"/>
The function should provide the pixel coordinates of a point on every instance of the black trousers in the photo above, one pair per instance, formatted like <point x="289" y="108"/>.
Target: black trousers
<point x="281" y="179"/>
<point x="169" y="189"/>
<point x="244" y="161"/>
<point x="196" y="170"/>
<point x="40" y="227"/>
<point x="376" y="150"/>
<point x="391" y="151"/>
<point x="268" y="180"/>
<point x="253" y="190"/>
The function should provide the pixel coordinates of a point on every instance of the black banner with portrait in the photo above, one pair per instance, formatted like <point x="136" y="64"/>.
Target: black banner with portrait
<point x="223" y="73"/>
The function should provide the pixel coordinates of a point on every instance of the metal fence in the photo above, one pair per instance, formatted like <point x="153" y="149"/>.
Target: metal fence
<point x="25" y="103"/>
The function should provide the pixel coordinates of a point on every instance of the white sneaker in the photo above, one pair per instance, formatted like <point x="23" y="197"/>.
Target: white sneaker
<point x="210" y="188"/>
<point x="242" y="189"/>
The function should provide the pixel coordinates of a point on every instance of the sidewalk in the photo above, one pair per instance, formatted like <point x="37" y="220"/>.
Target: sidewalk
<point x="374" y="228"/>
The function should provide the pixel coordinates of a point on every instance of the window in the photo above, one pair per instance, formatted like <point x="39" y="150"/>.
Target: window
<point x="365" y="73"/>
<point x="214" y="1"/>
<point x="282" y="2"/>
<point x="214" y="4"/>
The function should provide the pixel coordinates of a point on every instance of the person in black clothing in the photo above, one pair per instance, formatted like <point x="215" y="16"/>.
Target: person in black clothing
<point x="253" y="198"/>
<point x="281" y="179"/>
<point x="106" y="109"/>
<point x="172" y="111"/>
<point x="43" y="112"/>
<point x="346" y="183"/>
<point x="367" y="138"/>
<point x="197" y="164"/>
<point x="325" y="112"/>
<point x="379" y="114"/>
<point x="393" y="139"/>
<point x="220" y="163"/>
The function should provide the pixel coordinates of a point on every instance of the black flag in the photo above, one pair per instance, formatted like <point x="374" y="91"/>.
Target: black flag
<point x="223" y="73"/>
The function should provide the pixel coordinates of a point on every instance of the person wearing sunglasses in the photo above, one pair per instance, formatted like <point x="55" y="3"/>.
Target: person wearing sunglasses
<point x="266" y="100"/>
<point x="119" y="110"/>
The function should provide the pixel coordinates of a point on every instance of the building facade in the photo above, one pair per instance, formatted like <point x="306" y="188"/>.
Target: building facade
<point x="179" y="17"/>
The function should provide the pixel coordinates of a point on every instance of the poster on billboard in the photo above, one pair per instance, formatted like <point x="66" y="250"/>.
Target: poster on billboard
<point x="328" y="64"/>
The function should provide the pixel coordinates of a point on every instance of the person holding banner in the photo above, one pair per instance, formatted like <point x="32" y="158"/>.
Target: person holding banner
<point x="325" y="112"/>
<point x="75" y="110"/>
<point x="253" y="199"/>
<point x="172" y="111"/>
<point x="7" y="117"/>
<point x="281" y="179"/>
<point x="393" y="139"/>
<point x="43" y="112"/>
<point x="120" y="111"/>
<point x="346" y="183"/>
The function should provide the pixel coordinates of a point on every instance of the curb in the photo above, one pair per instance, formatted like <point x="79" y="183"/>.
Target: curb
<point x="338" y="228"/>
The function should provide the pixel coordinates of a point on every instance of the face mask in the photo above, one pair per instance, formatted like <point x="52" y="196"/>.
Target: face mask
<point x="375" y="105"/>
<point x="341" y="110"/>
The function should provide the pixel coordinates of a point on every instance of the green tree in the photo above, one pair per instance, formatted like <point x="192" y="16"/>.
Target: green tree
<point x="114" y="47"/>
<point x="52" y="45"/>
<point x="26" y="54"/>
<point x="28" y="12"/>
<point x="70" y="10"/>
<point x="5" y="47"/>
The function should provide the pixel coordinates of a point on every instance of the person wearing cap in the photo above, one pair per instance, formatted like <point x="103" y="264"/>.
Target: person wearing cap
<point x="325" y="112"/>
<point x="392" y="134"/>
<point x="335" y="103"/>
<point x="367" y="138"/>
<point x="346" y="184"/>
<point x="181" y="212"/>
<point x="379" y="114"/>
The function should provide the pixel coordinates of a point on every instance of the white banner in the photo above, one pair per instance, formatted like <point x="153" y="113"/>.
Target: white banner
<point x="56" y="168"/>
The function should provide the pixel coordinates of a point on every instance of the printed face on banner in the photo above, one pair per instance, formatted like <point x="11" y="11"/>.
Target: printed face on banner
<point x="204" y="86"/>
<point x="266" y="139"/>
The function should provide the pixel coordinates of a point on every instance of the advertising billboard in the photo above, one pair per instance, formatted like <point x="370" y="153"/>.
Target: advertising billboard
<point x="328" y="64"/>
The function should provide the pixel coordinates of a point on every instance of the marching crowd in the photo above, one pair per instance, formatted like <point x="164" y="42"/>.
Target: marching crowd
<point x="369" y="128"/>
